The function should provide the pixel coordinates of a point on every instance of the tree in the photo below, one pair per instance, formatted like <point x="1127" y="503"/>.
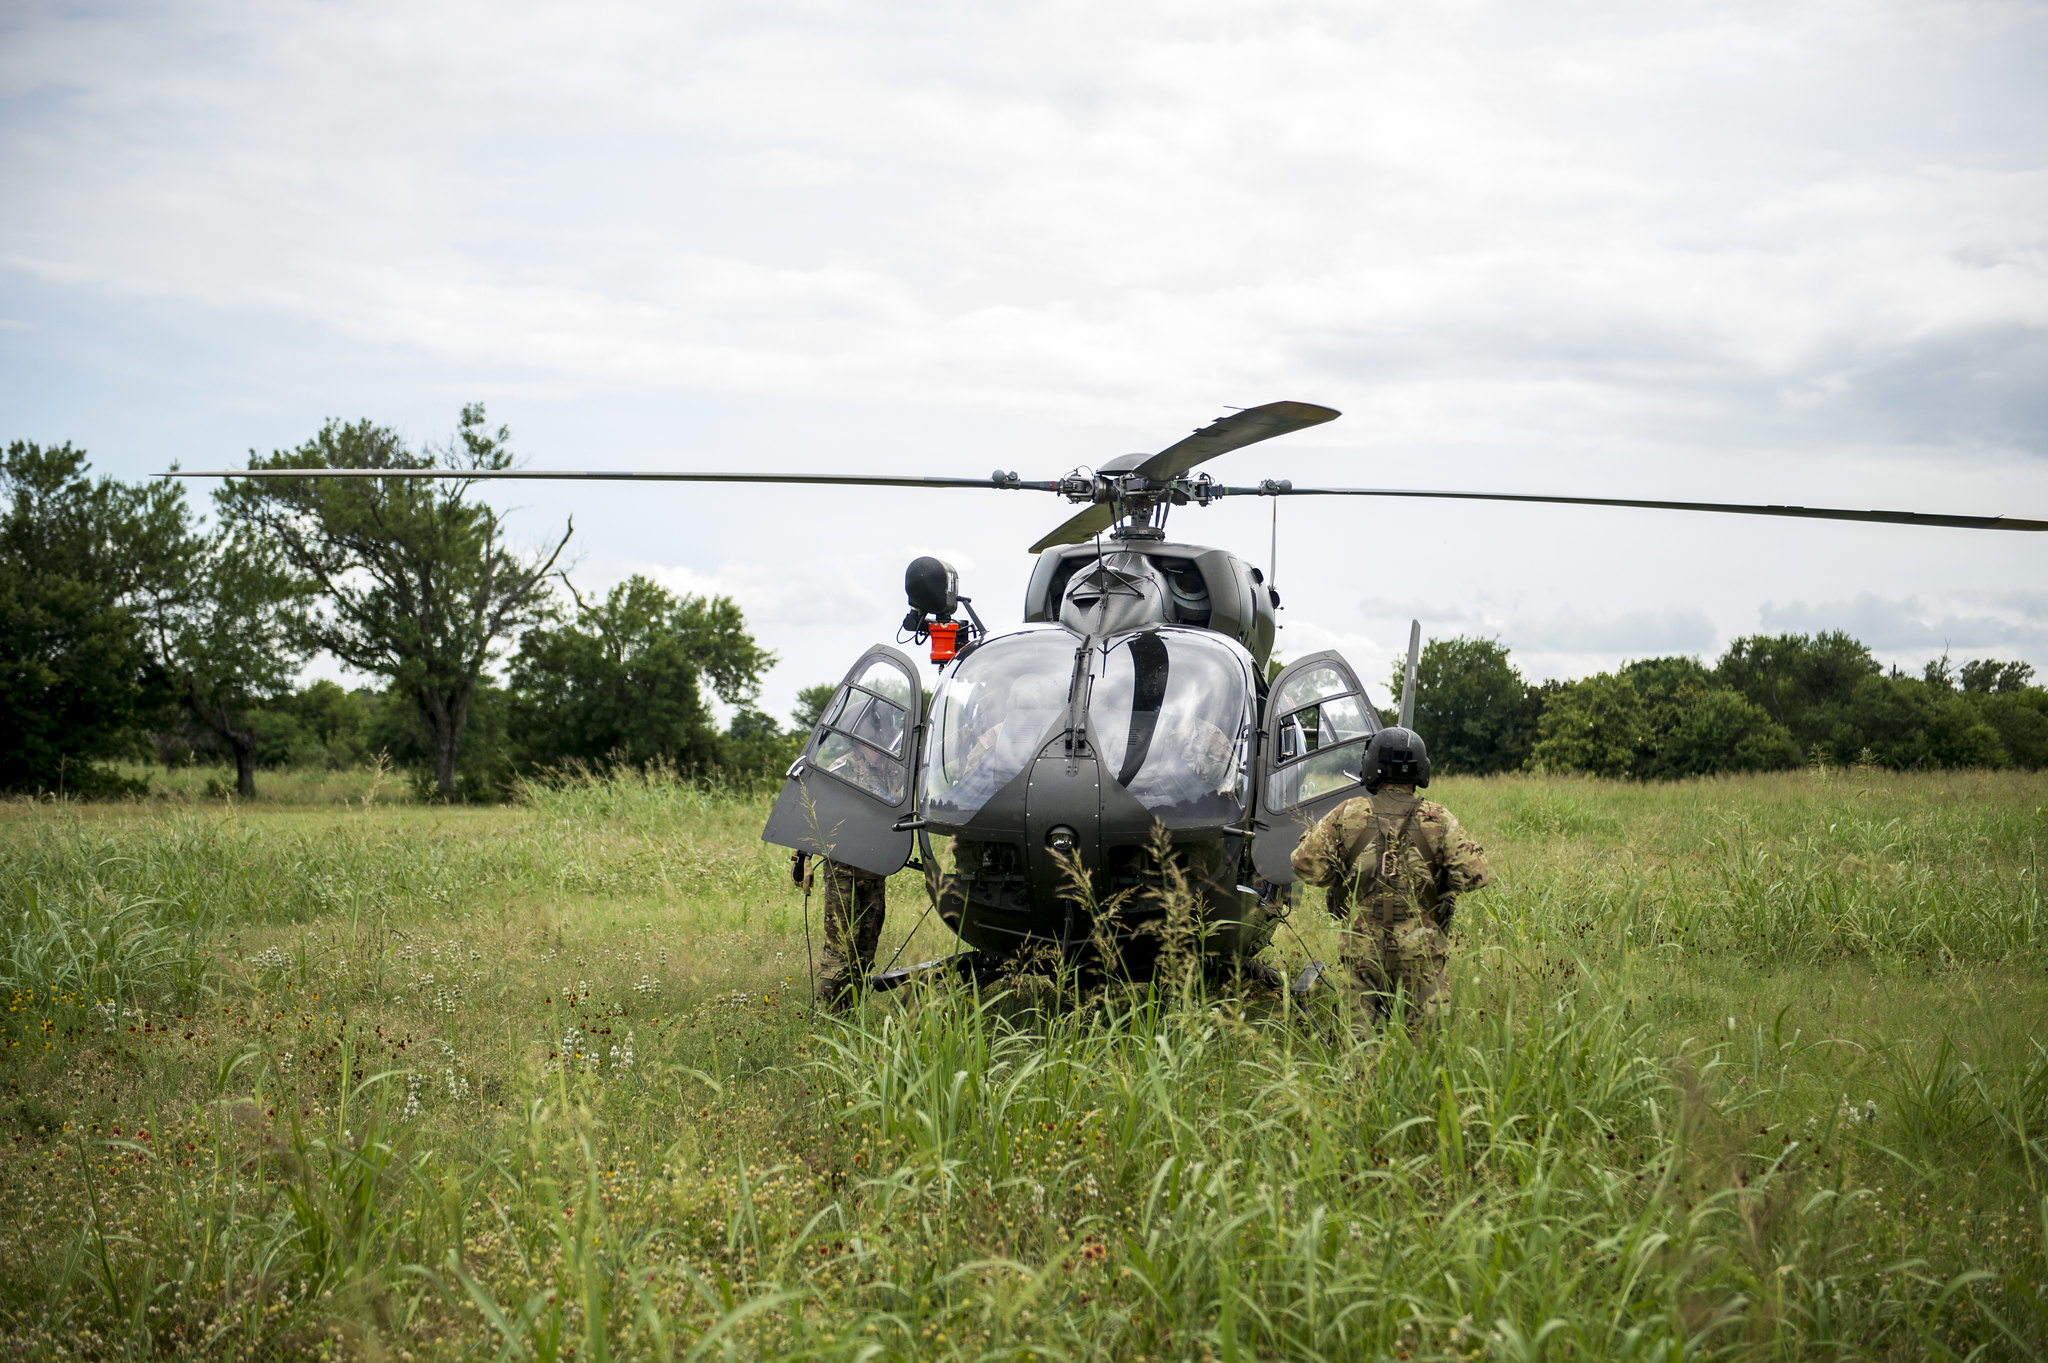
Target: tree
<point x="622" y="678"/>
<point x="1802" y="681"/>
<point x="75" y="558"/>
<point x="2020" y="719"/>
<point x="1472" y="707"/>
<point x="1703" y="731"/>
<point x="1906" y="722"/>
<point x="1594" y="725"/>
<point x="229" y="633"/>
<point x="811" y="703"/>
<point x="1990" y="677"/>
<point x="419" y="584"/>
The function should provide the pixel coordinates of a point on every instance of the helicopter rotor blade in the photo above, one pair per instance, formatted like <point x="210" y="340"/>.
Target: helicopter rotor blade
<point x="1818" y="513"/>
<point x="1079" y="528"/>
<point x="1003" y="481"/>
<point x="1223" y="435"/>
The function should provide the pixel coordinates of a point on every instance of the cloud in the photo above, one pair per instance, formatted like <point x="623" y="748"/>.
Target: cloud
<point x="1678" y="629"/>
<point x="1434" y="213"/>
<point x="2011" y="621"/>
<point x="1660" y="249"/>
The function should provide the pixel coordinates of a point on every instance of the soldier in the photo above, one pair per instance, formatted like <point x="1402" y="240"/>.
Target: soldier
<point x="856" y="901"/>
<point x="1399" y="863"/>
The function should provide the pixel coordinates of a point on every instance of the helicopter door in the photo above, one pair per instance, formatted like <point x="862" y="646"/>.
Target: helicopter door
<point x="1317" y="724"/>
<point x="852" y="785"/>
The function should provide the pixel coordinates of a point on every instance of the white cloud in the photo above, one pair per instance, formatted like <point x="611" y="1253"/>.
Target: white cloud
<point x="1723" y="252"/>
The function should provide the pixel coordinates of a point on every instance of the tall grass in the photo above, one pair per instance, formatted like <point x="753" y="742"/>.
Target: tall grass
<point x="1744" y="1068"/>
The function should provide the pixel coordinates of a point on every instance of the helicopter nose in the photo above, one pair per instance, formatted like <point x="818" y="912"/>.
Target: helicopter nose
<point x="1062" y="823"/>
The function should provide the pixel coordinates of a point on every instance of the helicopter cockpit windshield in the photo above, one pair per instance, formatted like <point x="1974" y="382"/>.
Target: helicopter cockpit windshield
<point x="1172" y="716"/>
<point x="990" y="717"/>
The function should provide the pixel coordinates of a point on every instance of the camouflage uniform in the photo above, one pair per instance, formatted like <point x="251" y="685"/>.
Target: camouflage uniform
<point x="1399" y="864"/>
<point x="855" y="903"/>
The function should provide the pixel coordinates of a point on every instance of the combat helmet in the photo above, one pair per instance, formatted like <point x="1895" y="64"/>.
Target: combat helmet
<point x="1395" y="755"/>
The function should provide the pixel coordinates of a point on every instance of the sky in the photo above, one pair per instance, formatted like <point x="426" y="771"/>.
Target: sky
<point x="1750" y="252"/>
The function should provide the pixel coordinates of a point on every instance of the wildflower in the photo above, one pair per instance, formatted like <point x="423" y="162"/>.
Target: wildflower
<point x="412" y="1096"/>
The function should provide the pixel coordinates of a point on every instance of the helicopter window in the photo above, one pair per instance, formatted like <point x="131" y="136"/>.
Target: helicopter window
<point x="861" y="765"/>
<point x="1170" y="713"/>
<point x="863" y="729"/>
<point x="1337" y="720"/>
<point x="1321" y="735"/>
<point x="1323" y="772"/>
<point x="991" y="715"/>
<point x="1311" y="685"/>
<point x="876" y="721"/>
<point x="884" y="679"/>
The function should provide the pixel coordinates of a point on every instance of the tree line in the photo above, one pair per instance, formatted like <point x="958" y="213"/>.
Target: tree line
<point x="130" y="629"/>
<point x="1770" y="702"/>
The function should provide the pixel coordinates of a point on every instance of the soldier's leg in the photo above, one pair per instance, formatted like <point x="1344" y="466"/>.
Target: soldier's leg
<point x="1420" y="966"/>
<point x="870" y="907"/>
<point x="840" y="909"/>
<point x="1365" y="975"/>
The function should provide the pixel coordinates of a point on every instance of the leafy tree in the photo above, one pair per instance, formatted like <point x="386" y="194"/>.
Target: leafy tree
<point x="2020" y="719"/>
<point x="1594" y="725"/>
<point x="322" y="725"/>
<point x="623" y="679"/>
<point x="76" y="556"/>
<point x="1802" y="681"/>
<point x="418" y="583"/>
<point x="1990" y="677"/>
<point x="1663" y="681"/>
<point x="1906" y="722"/>
<point x="754" y="747"/>
<point x="229" y="634"/>
<point x="1703" y="731"/>
<point x="1472" y="707"/>
<point x="1659" y="719"/>
<point x="810" y="703"/>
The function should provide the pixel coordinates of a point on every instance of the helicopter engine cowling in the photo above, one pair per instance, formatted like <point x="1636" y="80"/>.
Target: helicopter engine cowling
<point x="1114" y="595"/>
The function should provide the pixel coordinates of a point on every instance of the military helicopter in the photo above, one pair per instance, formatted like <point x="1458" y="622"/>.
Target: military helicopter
<point x="1131" y="711"/>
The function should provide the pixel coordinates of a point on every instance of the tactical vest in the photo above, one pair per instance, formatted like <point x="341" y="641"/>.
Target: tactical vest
<point x="1394" y="874"/>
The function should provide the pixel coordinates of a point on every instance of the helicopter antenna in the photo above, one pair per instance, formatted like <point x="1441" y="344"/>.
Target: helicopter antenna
<point x="1408" y="682"/>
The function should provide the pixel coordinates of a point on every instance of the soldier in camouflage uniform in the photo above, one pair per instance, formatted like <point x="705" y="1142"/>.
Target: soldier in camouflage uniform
<point x="1398" y="863"/>
<point x="856" y="901"/>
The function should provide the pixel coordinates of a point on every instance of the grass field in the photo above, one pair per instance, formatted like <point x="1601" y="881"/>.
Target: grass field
<point x="1754" y="1067"/>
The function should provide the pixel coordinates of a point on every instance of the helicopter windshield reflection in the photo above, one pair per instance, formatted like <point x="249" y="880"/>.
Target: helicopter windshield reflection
<point x="991" y="715"/>
<point x="1171" y="714"/>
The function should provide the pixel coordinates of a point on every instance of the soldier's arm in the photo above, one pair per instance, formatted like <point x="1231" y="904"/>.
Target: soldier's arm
<point x="1319" y="857"/>
<point x="1464" y="861"/>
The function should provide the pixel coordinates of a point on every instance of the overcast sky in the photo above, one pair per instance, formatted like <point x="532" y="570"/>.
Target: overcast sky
<point x="1748" y="252"/>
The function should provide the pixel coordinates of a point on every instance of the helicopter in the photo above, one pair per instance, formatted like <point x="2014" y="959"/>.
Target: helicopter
<point x="1133" y="718"/>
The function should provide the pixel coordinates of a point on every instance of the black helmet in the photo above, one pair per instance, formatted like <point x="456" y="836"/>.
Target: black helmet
<point x="1395" y="755"/>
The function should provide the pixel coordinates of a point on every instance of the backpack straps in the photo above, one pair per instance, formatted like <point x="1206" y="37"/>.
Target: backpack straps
<point x="1389" y="870"/>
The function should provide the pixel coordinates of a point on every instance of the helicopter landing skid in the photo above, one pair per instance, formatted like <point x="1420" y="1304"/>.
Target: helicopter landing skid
<point x="967" y="964"/>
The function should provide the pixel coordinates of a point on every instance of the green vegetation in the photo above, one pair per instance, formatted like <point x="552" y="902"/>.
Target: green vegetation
<point x="129" y="630"/>
<point x="1753" y="1066"/>
<point x="1771" y="703"/>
